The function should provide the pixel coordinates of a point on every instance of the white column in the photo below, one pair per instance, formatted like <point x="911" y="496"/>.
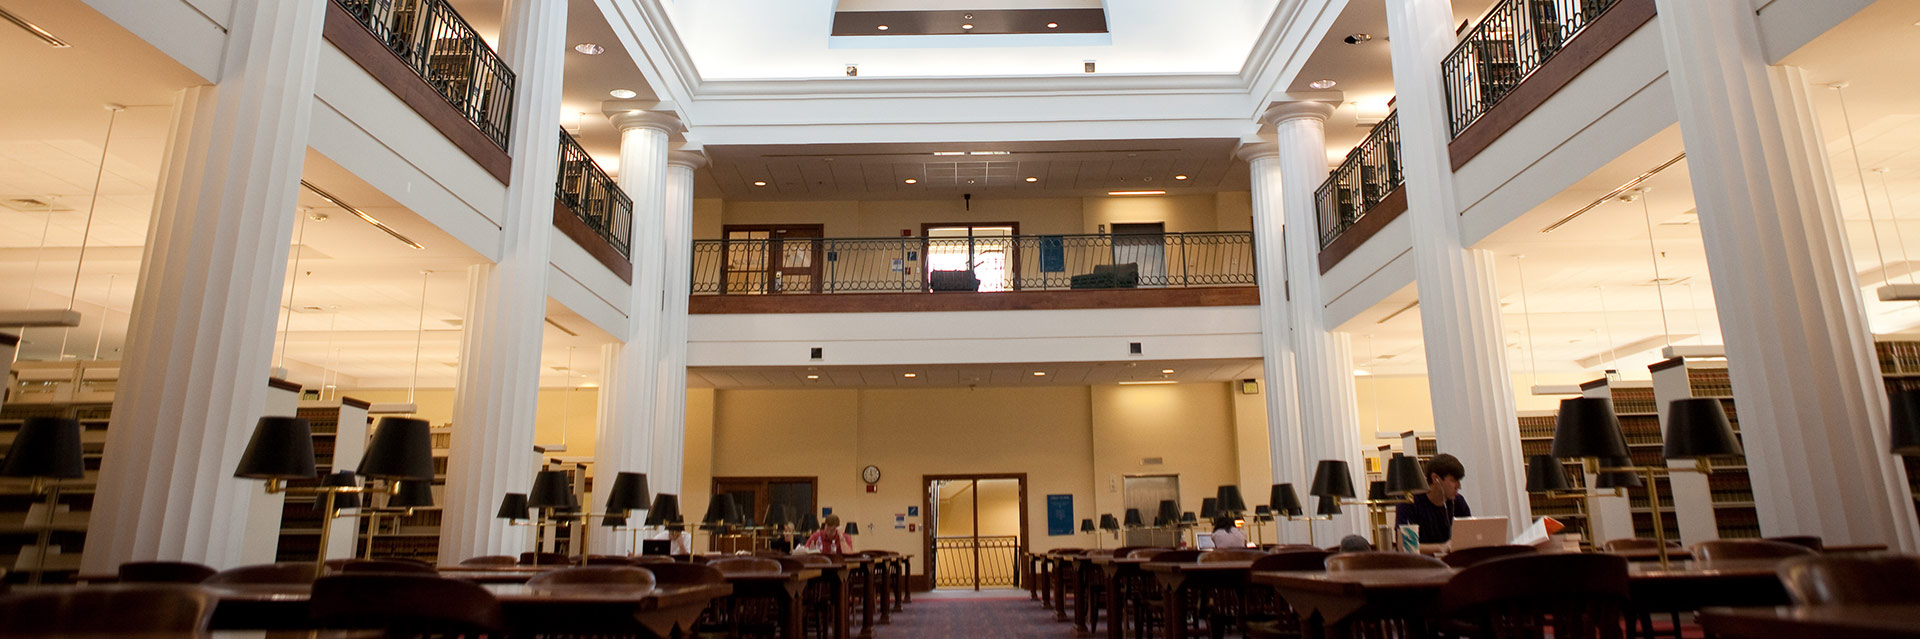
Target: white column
<point x="670" y="400"/>
<point x="1812" y="410"/>
<point x="1291" y="461"/>
<point x="1329" y="420"/>
<point x="201" y="335"/>
<point x="625" y="437"/>
<point x="499" y="384"/>
<point x="1473" y="406"/>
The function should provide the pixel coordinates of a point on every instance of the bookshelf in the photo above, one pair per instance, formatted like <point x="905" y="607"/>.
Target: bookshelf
<point x="339" y="439"/>
<point x="1381" y="518"/>
<point x="1900" y="369"/>
<point x="1536" y="438"/>
<point x="414" y="535"/>
<point x="1720" y="505"/>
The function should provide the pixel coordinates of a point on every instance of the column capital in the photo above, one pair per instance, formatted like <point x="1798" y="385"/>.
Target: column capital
<point x="664" y="121"/>
<point x="1279" y="112"/>
<point x="1250" y="151"/>
<point x="690" y="158"/>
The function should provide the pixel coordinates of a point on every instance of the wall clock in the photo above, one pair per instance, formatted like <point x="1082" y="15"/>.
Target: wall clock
<point x="871" y="474"/>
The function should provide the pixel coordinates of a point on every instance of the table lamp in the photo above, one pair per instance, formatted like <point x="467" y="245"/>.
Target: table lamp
<point x="1086" y="526"/>
<point x="1903" y="418"/>
<point x="852" y="529"/>
<point x="1697" y="429"/>
<point x="48" y="448"/>
<point x="1332" y="481"/>
<point x="1545" y="475"/>
<point x="550" y="499"/>
<point x="1110" y="524"/>
<point x="281" y="449"/>
<point x="665" y="508"/>
<point x="1209" y="508"/>
<point x="1286" y="503"/>
<point x="629" y="493"/>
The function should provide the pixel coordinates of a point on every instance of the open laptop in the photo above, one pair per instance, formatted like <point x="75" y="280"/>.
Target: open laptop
<point x="1474" y="532"/>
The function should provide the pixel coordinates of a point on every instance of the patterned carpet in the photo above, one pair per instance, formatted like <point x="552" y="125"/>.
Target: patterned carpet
<point x="1006" y="614"/>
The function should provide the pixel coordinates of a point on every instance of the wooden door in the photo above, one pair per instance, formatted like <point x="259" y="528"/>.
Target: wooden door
<point x="771" y="259"/>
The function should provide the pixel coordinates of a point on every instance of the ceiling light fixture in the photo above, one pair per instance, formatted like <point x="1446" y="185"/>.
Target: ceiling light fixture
<point x="589" y="48"/>
<point x="624" y="94"/>
<point x="813" y="377"/>
<point x="1053" y="25"/>
<point x="1033" y="179"/>
<point x="949" y="152"/>
<point x="912" y="181"/>
<point x="759" y="183"/>
<point x="1136" y="192"/>
<point x="361" y="214"/>
<point x="881" y="27"/>
<point x="1144" y="382"/>
<point x="42" y="34"/>
<point x="1179" y="177"/>
<point x="966" y="27"/>
<point x="1358" y="38"/>
<point x="1166" y="371"/>
<point x="1039" y="373"/>
<point x="989" y="153"/>
<point x="909" y="375"/>
<point x="1322" y="84"/>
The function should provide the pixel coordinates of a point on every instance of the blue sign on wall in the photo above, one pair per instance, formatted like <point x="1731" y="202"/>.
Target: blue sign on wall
<point x="1059" y="514"/>
<point x="1053" y="254"/>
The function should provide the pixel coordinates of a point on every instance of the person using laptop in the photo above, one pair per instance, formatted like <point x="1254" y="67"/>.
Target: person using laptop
<point x="1435" y="511"/>
<point x="1226" y="535"/>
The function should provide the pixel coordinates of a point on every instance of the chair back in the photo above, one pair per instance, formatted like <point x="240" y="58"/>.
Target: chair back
<point x="1127" y="551"/>
<point x="641" y="560"/>
<point x="685" y="574"/>
<point x="1737" y="549"/>
<point x="404" y="604"/>
<point x="811" y="559"/>
<point x="1315" y="559"/>
<point x="745" y="565"/>
<point x="489" y="560"/>
<point x="1471" y="556"/>
<point x="1575" y="594"/>
<point x="182" y="609"/>
<point x="1635" y="543"/>
<point x="624" y="575"/>
<point x="164" y="572"/>
<point x="546" y="558"/>
<point x="1376" y="560"/>
<point x="609" y="560"/>
<point x="1810" y="541"/>
<point x="389" y="566"/>
<point x="1295" y="547"/>
<point x="1843" y="580"/>
<point x="1230" y="554"/>
<point x="1173" y="556"/>
<point x="280" y="573"/>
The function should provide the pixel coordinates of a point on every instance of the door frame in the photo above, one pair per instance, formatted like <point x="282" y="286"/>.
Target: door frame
<point x="773" y="231"/>
<point x="927" y="564"/>
<point x="1013" y="250"/>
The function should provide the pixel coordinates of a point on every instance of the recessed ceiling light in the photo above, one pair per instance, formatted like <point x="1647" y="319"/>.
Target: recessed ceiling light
<point x="759" y="183"/>
<point x="1039" y="373"/>
<point x="912" y="181"/>
<point x="813" y="377"/>
<point x="589" y="48"/>
<point x="949" y="152"/>
<point x="1179" y="177"/>
<point x="1147" y="381"/>
<point x="1322" y="84"/>
<point x="989" y="153"/>
<point x="1136" y="192"/>
<point x="623" y="94"/>
<point x="966" y="27"/>
<point x="1033" y="179"/>
<point x="1053" y="25"/>
<point x="881" y="27"/>
<point x="909" y="375"/>
<point x="1166" y="371"/>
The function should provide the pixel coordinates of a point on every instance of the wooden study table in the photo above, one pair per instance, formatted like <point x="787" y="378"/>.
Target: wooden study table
<point x="782" y="587"/>
<point x="583" y="609"/>
<point x="1121" y="575"/>
<point x="1179" y="580"/>
<point x="1060" y="566"/>
<point x="1893" y="621"/>
<point x="861" y="567"/>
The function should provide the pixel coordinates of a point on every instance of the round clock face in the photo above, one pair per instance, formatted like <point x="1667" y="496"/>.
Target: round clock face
<point x="871" y="474"/>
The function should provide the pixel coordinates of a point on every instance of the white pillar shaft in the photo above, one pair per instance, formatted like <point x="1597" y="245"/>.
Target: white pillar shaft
<point x="670" y="400"/>
<point x="1323" y="361"/>
<point x="201" y="336"/>
<point x="1291" y="463"/>
<point x="1473" y="404"/>
<point x="1812" y="408"/>
<point x="493" y="413"/>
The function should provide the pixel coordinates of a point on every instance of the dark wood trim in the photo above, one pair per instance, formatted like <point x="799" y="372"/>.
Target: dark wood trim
<point x="919" y="583"/>
<point x="927" y="521"/>
<point x="1593" y="42"/>
<point x="275" y="382"/>
<point x="1587" y="386"/>
<point x="1666" y="364"/>
<point x="1370" y="223"/>
<point x="356" y="403"/>
<point x="969" y="301"/>
<point x="365" y="49"/>
<point x="577" y="230"/>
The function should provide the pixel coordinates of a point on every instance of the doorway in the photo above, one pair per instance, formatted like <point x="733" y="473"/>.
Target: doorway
<point x="1144" y="493"/>
<point x="764" y="260"/>
<point x="1145" y="244"/>
<point x="986" y="249"/>
<point x="976" y="530"/>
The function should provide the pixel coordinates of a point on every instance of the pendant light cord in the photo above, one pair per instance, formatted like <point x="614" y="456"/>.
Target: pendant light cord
<point x="1526" y="318"/>
<point x="293" y="282"/>
<point x="1653" y="255"/>
<point x="419" y="338"/>
<point x="1853" y="145"/>
<point x="86" y="231"/>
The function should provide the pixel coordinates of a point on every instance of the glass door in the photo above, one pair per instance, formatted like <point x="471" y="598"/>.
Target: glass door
<point x="764" y="260"/>
<point x="977" y="530"/>
<point x="985" y="250"/>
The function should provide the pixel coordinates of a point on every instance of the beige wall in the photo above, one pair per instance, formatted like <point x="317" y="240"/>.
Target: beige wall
<point x="1188" y="427"/>
<point x="562" y="415"/>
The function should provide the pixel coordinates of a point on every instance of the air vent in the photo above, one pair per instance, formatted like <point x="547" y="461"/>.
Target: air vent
<point x="1151" y="461"/>
<point x="35" y="205"/>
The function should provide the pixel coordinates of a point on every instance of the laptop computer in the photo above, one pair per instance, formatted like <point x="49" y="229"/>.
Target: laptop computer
<point x="1474" y="532"/>
<point x="656" y="547"/>
<point x="1203" y="542"/>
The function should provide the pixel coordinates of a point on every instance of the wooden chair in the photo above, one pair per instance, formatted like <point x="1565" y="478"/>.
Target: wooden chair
<point x="1230" y="554"/>
<point x="1636" y="543"/>
<point x="404" y="605"/>
<point x="489" y="560"/>
<point x="1810" y="541"/>
<point x="1842" y="580"/>
<point x="1375" y="560"/>
<point x="1471" y="556"/>
<point x="388" y="566"/>
<point x="1520" y="597"/>
<point x="1738" y="549"/>
<point x="546" y="558"/>
<point x="1280" y="621"/>
<point x="623" y="575"/>
<point x="280" y="573"/>
<point x="609" y="560"/>
<point x="684" y="574"/>
<point x="745" y="565"/>
<point x="122" y="609"/>
<point x="164" y="572"/>
<point x="642" y="560"/>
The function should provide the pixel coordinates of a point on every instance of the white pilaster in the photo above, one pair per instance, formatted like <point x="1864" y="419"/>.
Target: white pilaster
<point x="1812" y="409"/>
<point x="670" y="400"/>
<point x="201" y="334"/>
<point x="1323" y="361"/>
<point x="1473" y="406"/>
<point x="1292" y="462"/>
<point x="499" y="383"/>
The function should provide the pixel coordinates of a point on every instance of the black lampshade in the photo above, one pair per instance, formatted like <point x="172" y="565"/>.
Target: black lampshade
<point x="1086" y="525"/>
<point x="1587" y="427"/>
<point x="1285" y="502"/>
<point x="777" y="516"/>
<point x="1618" y="479"/>
<point x="737" y="513"/>
<point x="1545" y="474"/>
<point x="1329" y="505"/>
<point x="401" y="448"/>
<point x="1227" y="500"/>
<point x="809" y="522"/>
<point x="1698" y="427"/>
<point x="551" y="489"/>
<point x="1108" y="522"/>
<point x="1405" y="476"/>
<point x="1169" y="512"/>
<point x="719" y="510"/>
<point x="280" y="448"/>
<point x="666" y="508"/>
<point x="1187" y="519"/>
<point x="1160" y="521"/>
<point x="1377" y="490"/>
<point x="342" y="479"/>
<point x="853" y="528"/>
<point x="1905" y="419"/>
<point x="1262" y="512"/>
<point x="629" y="492"/>
<point x="513" y="506"/>
<point x="1209" y="508"/>
<point x="412" y="493"/>
<point x="1133" y="519"/>
<point x="613" y="521"/>
<point x="1331" y="479"/>
<point x="50" y="447"/>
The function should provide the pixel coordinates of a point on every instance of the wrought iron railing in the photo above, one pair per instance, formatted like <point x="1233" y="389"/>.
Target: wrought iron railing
<point x="999" y="263"/>
<point x="593" y="196"/>
<point x="995" y="561"/>
<point x="440" y="46"/>
<point x="1370" y="172"/>
<point x="1513" y="39"/>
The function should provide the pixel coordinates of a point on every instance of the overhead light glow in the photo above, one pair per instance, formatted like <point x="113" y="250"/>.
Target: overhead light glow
<point x="989" y="153"/>
<point x="966" y="27"/>
<point x="949" y="152"/>
<point x="1053" y="25"/>
<point x="909" y="375"/>
<point x="623" y="94"/>
<point x="589" y="48"/>
<point x="1033" y="179"/>
<point x="1166" y="371"/>
<point x="1136" y="192"/>
<point x="912" y="181"/>
<point x="759" y="183"/>
<point x="1144" y="382"/>
<point x="813" y="377"/>
<point x="1361" y="372"/>
<point x="881" y="27"/>
<point x="1179" y="177"/>
<point x="1039" y="373"/>
<point x="1322" y="84"/>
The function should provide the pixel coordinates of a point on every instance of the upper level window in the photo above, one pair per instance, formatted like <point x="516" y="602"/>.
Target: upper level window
<point x="985" y="249"/>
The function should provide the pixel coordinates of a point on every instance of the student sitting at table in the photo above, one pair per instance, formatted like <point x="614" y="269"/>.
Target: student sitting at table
<point x="830" y="540"/>
<point x="1434" y="512"/>
<point x="1226" y="535"/>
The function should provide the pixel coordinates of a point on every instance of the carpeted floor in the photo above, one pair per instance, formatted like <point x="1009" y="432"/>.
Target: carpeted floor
<point x="964" y="614"/>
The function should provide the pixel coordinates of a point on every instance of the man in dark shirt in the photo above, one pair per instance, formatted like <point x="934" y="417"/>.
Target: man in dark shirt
<point x="1434" y="511"/>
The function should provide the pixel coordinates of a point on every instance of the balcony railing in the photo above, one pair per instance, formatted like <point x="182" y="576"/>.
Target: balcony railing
<point x="1370" y="172"/>
<point x="439" y="45"/>
<point x="981" y="263"/>
<point x="593" y="196"/>
<point x="1514" y="38"/>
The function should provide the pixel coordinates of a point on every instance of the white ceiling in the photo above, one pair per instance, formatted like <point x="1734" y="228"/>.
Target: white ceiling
<point x="1006" y="374"/>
